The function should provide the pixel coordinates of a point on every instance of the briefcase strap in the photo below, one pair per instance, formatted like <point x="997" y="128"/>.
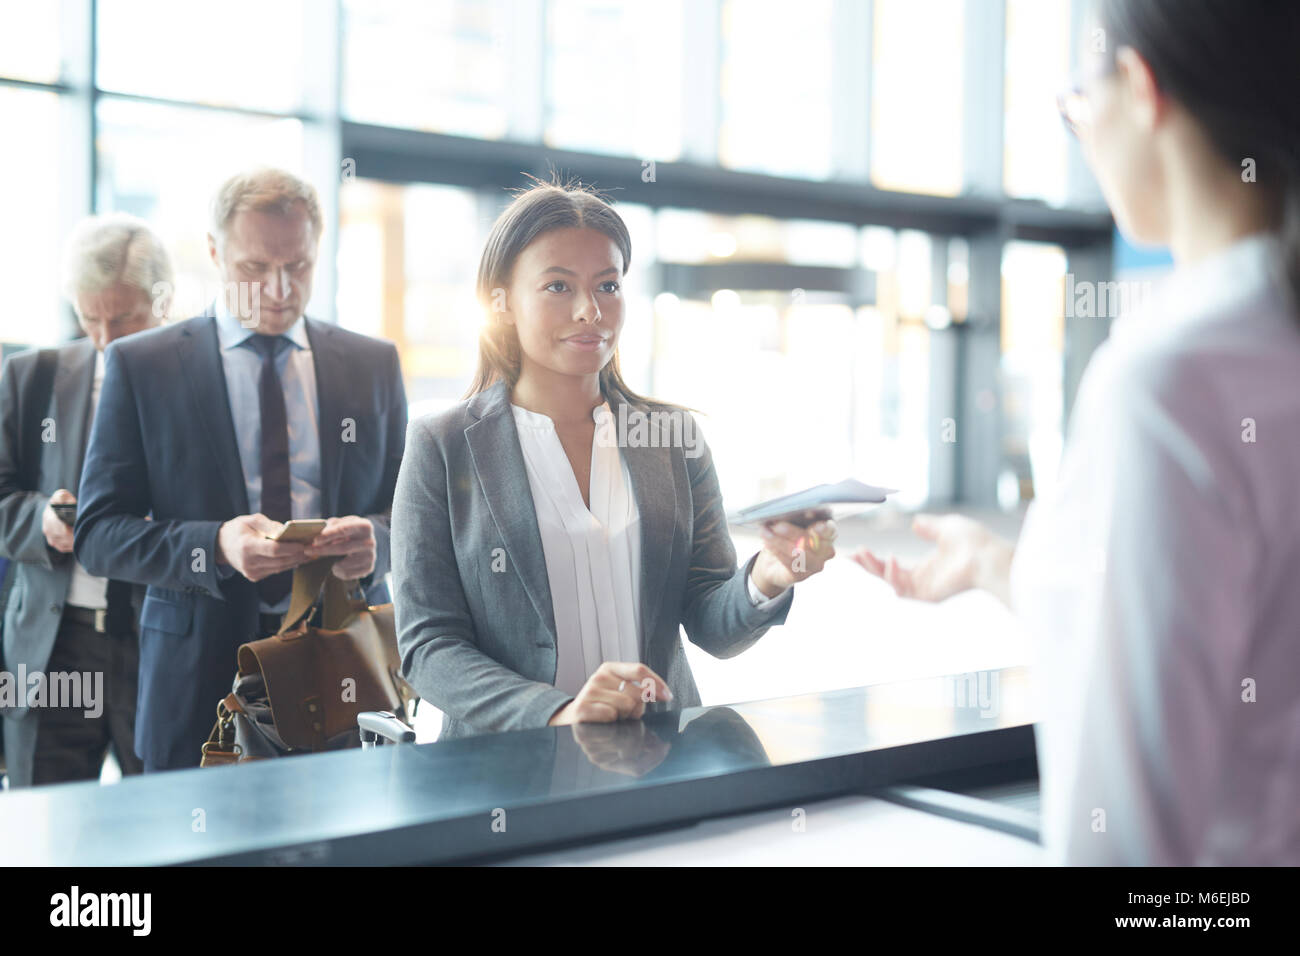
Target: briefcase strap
<point x="311" y="581"/>
<point x="221" y="747"/>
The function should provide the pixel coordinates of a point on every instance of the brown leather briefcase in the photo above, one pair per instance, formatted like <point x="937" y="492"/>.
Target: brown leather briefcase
<point x="300" y="690"/>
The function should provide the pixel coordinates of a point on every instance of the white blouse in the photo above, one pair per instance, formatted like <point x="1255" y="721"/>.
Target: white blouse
<point x="1159" y="583"/>
<point x="593" y="557"/>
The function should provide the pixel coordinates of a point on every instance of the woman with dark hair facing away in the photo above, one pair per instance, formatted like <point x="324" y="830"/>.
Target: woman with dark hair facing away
<point x="1159" y="579"/>
<point x="554" y="530"/>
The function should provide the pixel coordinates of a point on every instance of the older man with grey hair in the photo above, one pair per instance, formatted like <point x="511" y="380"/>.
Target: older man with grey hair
<point x="71" y="652"/>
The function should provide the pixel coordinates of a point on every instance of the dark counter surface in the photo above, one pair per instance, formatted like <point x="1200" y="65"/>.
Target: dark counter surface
<point x="500" y="794"/>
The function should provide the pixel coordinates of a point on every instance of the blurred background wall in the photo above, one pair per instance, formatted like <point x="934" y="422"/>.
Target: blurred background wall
<point x="867" y="204"/>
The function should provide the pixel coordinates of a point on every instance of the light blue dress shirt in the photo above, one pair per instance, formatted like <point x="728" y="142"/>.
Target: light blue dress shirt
<point x="242" y="365"/>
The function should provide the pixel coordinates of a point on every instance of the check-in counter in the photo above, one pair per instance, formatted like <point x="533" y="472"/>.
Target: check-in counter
<point x="930" y="771"/>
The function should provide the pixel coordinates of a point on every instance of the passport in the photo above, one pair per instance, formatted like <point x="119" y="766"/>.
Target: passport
<point x="803" y="508"/>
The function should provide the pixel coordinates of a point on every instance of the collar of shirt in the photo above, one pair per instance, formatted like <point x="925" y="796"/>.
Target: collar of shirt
<point x="601" y="415"/>
<point x="99" y="366"/>
<point x="1212" y="288"/>
<point x="231" y="333"/>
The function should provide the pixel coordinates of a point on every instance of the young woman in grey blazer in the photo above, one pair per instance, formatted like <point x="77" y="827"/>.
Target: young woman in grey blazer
<point x="553" y="529"/>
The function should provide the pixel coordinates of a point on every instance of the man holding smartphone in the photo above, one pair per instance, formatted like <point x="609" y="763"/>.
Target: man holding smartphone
<point x="60" y="618"/>
<point x="222" y="428"/>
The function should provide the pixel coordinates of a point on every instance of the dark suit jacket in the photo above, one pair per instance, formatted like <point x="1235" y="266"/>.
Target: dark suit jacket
<point x="41" y="574"/>
<point x="163" y="446"/>
<point x="480" y="644"/>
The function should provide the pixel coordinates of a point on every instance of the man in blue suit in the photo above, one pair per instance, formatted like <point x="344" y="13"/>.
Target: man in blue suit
<point x="213" y="432"/>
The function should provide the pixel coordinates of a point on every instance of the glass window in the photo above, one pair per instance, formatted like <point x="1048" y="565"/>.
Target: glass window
<point x="868" y="378"/>
<point x="441" y="317"/>
<point x="637" y="340"/>
<point x="812" y="242"/>
<point x="29" y="41"/>
<point x="777" y="87"/>
<point x="690" y="236"/>
<point x="245" y="53"/>
<point x="958" y="278"/>
<point x="407" y="260"/>
<point x="822" y="377"/>
<point x="30" y="243"/>
<point x="913" y="281"/>
<point x="1033" y="336"/>
<point x="1037" y="68"/>
<point x="439" y="66"/>
<point x="615" y="77"/>
<point x="694" y="332"/>
<point x="892" y="345"/>
<point x="163" y="164"/>
<point x="916" y="96"/>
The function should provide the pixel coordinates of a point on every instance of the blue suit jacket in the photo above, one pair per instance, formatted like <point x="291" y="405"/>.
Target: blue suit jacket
<point x="163" y="447"/>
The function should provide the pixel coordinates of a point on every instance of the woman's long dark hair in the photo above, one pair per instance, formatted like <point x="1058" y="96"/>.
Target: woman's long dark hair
<point x="536" y="210"/>
<point x="1233" y="65"/>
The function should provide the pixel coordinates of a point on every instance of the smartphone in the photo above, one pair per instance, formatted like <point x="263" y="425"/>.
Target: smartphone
<point x="67" y="513"/>
<point x="299" y="530"/>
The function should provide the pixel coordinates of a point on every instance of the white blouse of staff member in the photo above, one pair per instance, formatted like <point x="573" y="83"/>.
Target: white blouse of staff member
<point x="1160" y="579"/>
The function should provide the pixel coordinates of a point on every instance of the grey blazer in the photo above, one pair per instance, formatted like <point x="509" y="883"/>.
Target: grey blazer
<point x="41" y="574"/>
<point x="480" y="643"/>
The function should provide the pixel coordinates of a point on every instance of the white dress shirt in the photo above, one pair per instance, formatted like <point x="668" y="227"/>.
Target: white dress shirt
<point x="1160" y="583"/>
<point x="86" y="590"/>
<point x="593" y="556"/>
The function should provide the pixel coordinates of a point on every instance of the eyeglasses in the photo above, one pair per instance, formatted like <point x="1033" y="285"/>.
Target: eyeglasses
<point x="1074" y="104"/>
<point x="1076" y="110"/>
